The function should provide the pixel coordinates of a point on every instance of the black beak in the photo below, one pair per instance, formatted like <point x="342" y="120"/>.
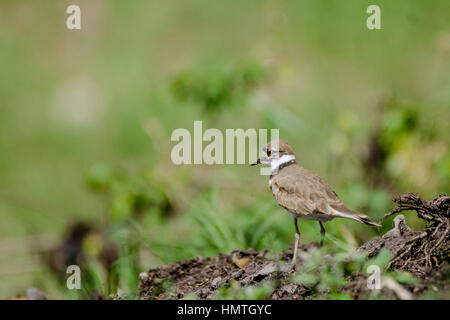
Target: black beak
<point x="255" y="163"/>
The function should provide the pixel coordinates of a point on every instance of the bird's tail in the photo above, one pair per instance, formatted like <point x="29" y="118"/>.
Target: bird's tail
<point x="365" y="219"/>
<point x="345" y="212"/>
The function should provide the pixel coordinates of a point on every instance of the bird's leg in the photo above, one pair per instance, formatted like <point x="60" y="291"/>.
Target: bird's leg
<point x="322" y="233"/>
<point x="297" y="240"/>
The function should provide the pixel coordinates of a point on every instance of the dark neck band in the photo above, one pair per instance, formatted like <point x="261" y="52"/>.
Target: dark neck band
<point x="283" y="165"/>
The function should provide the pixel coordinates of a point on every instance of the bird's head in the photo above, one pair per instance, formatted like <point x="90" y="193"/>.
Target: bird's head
<point x="275" y="153"/>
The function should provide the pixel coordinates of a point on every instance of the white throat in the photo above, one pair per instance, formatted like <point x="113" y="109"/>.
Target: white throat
<point x="276" y="163"/>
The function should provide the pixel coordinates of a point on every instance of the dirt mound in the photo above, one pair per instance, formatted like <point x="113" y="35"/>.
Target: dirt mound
<point x="203" y="276"/>
<point x="424" y="254"/>
<point x="421" y="253"/>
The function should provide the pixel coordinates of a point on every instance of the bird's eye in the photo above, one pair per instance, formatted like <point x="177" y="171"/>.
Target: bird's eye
<point x="269" y="152"/>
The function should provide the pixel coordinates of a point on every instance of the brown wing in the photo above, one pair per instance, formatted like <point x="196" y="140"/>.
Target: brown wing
<point x="303" y="192"/>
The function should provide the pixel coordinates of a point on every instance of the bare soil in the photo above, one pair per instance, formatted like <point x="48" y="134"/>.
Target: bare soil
<point x="425" y="254"/>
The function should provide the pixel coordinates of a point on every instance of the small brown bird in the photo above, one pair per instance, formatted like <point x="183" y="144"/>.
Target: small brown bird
<point x="302" y="193"/>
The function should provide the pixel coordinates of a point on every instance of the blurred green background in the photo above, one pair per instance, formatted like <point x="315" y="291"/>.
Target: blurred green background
<point x="86" y="117"/>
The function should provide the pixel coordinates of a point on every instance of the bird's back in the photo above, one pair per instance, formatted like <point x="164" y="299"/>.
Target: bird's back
<point x="303" y="192"/>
